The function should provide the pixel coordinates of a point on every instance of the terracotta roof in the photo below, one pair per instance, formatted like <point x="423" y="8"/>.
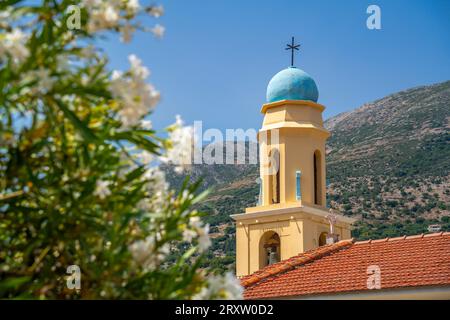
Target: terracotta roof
<point x="409" y="261"/>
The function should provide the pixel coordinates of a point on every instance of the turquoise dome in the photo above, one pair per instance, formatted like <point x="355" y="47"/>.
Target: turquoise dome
<point x="292" y="84"/>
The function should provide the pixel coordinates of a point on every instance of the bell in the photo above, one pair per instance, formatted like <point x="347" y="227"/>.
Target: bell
<point x="273" y="258"/>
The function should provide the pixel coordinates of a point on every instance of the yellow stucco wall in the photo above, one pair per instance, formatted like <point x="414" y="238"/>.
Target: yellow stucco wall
<point x="298" y="155"/>
<point x="299" y="231"/>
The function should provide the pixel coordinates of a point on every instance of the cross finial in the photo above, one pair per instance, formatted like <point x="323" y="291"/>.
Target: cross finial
<point x="292" y="47"/>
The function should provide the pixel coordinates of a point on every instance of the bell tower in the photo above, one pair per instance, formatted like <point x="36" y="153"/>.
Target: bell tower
<point x="292" y="148"/>
<point x="291" y="216"/>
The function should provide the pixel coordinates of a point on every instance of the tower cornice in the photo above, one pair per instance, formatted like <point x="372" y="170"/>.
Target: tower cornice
<point x="296" y="125"/>
<point x="308" y="103"/>
<point x="311" y="211"/>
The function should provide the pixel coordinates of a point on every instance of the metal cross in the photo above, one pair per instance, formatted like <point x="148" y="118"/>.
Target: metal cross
<point x="292" y="47"/>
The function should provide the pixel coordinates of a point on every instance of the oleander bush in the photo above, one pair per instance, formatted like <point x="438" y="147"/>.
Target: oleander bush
<point x="81" y="188"/>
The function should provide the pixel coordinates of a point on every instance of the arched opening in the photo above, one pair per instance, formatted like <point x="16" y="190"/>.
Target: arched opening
<point x="269" y="249"/>
<point x="274" y="156"/>
<point x="323" y="239"/>
<point x="317" y="177"/>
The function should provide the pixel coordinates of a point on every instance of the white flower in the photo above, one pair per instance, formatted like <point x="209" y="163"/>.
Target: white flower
<point x="13" y="43"/>
<point x="137" y="97"/>
<point x="91" y="3"/>
<point x="44" y="81"/>
<point x="146" y="124"/>
<point x="111" y="16"/>
<point x="133" y="6"/>
<point x="182" y="142"/>
<point x="115" y="77"/>
<point x="146" y="255"/>
<point x="62" y="62"/>
<point x="195" y="222"/>
<point x="102" y="189"/>
<point x="145" y="205"/>
<point x="233" y="287"/>
<point x="142" y="250"/>
<point x="5" y="17"/>
<point x="102" y="14"/>
<point x="157" y="187"/>
<point x="138" y="71"/>
<point x="188" y="235"/>
<point x="158" y="31"/>
<point x="221" y="287"/>
<point x="145" y="157"/>
<point x="204" y="242"/>
<point x="157" y="179"/>
<point x="156" y="11"/>
<point x="195" y="229"/>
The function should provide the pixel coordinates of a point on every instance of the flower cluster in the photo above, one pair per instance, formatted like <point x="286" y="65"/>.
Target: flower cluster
<point x="147" y="255"/>
<point x="118" y="14"/>
<point x="5" y="17"/>
<point x="182" y="143"/>
<point x="102" y="189"/>
<point x="156" y="11"/>
<point x="13" y="44"/>
<point x="197" y="229"/>
<point x="89" y="180"/>
<point x="137" y="97"/>
<point x="43" y="79"/>
<point x="157" y="188"/>
<point x="221" y="287"/>
<point x="108" y="14"/>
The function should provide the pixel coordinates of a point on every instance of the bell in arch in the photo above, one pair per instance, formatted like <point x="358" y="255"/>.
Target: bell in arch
<point x="273" y="257"/>
<point x="273" y="249"/>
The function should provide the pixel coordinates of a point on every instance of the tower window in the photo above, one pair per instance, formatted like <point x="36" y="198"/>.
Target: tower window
<point x="323" y="239"/>
<point x="317" y="177"/>
<point x="298" y="185"/>
<point x="269" y="249"/>
<point x="274" y="157"/>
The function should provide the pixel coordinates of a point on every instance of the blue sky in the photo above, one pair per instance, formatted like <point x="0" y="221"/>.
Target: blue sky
<point x="217" y="56"/>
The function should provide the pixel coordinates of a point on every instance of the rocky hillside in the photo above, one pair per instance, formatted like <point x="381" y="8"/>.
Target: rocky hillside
<point x="388" y="164"/>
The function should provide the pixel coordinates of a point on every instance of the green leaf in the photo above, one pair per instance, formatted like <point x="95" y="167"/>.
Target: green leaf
<point x="78" y="124"/>
<point x="138" y="138"/>
<point x="136" y="173"/>
<point x="6" y="3"/>
<point x="202" y="196"/>
<point x="13" y="283"/>
<point x="186" y="256"/>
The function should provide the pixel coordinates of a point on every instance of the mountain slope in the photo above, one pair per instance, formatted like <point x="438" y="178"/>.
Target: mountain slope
<point x="388" y="162"/>
<point x="395" y="132"/>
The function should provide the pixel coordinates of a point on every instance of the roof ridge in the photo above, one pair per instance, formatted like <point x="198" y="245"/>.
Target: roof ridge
<point x="404" y="237"/>
<point x="293" y="262"/>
